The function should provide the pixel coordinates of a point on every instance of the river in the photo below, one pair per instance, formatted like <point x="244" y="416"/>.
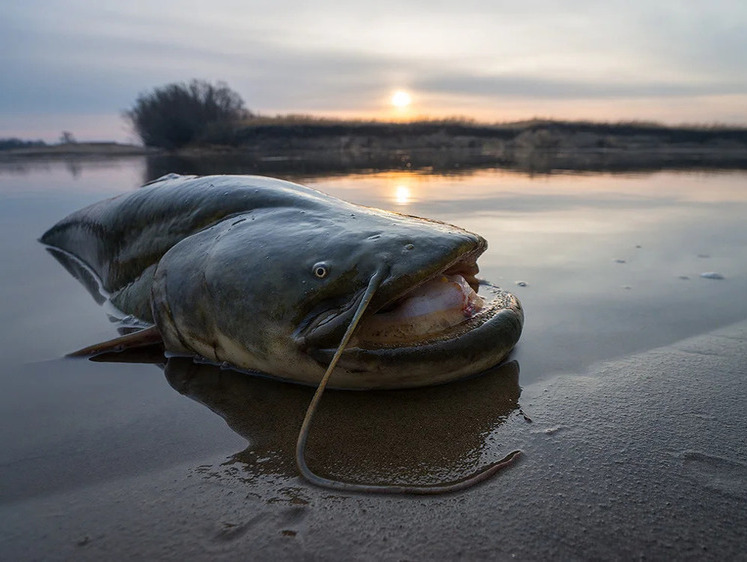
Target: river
<point x="614" y="270"/>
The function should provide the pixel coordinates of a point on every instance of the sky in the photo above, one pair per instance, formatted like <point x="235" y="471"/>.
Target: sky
<point x="76" y="65"/>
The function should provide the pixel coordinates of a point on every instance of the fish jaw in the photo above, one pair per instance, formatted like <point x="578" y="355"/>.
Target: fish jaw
<point x="413" y="356"/>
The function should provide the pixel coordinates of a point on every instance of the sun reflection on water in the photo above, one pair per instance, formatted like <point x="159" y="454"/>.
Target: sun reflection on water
<point x="402" y="194"/>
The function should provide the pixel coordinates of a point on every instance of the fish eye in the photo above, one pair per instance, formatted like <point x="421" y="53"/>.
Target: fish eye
<point x="321" y="270"/>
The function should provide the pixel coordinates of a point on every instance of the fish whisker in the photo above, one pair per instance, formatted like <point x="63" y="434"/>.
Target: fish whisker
<point x="310" y="476"/>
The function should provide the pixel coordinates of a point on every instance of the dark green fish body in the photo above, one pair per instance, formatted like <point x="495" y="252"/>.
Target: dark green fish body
<point x="123" y="238"/>
<point x="266" y="275"/>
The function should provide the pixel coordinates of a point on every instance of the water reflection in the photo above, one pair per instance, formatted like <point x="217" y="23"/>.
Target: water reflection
<point x="296" y="164"/>
<point x="306" y="164"/>
<point x="562" y="234"/>
<point x="402" y="195"/>
<point x="428" y="435"/>
<point x="74" y="167"/>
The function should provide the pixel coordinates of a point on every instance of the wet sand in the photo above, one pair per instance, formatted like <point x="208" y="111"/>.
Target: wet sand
<point x="643" y="457"/>
<point x="631" y="369"/>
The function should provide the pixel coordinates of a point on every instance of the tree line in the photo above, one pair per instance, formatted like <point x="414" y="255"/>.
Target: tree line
<point x="180" y="114"/>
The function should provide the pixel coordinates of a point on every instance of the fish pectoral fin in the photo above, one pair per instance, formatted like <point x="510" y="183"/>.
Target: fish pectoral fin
<point x="141" y="338"/>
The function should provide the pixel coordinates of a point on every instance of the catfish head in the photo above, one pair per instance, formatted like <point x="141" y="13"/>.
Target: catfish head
<point x="274" y="290"/>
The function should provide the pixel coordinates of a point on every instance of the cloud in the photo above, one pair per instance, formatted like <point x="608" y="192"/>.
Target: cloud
<point x="284" y="55"/>
<point x="543" y="88"/>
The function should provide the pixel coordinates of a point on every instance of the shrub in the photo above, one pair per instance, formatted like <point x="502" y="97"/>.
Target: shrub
<point x="178" y="114"/>
<point x="13" y="143"/>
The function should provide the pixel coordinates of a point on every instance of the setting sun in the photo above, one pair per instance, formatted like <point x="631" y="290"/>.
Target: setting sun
<point x="401" y="99"/>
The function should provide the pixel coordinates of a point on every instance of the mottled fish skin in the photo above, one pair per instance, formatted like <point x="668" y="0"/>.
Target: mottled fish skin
<point x="226" y="267"/>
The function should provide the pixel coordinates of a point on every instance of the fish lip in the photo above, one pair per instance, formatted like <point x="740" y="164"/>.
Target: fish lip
<point x="494" y="307"/>
<point x="466" y="349"/>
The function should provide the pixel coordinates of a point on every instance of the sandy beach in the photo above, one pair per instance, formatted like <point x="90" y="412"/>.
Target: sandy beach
<point x="611" y="459"/>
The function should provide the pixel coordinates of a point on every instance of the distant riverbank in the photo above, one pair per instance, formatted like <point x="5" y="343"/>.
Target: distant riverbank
<point x="289" y="133"/>
<point x="76" y="149"/>
<point x="534" y="146"/>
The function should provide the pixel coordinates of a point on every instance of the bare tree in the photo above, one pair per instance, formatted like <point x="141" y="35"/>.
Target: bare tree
<point x="182" y="113"/>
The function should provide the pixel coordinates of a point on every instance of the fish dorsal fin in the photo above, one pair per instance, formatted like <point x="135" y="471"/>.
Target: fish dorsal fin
<point x="141" y="338"/>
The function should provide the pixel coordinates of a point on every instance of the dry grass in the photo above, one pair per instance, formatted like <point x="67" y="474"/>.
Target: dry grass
<point x="295" y="119"/>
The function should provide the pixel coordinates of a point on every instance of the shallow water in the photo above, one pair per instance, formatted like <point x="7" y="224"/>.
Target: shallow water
<point x="612" y="263"/>
<point x="606" y="266"/>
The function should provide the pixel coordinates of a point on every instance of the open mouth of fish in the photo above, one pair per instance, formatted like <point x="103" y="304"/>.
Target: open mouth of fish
<point x="436" y="318"/>
<point x="443" y="307"/>
<point x="439" y="326"/>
